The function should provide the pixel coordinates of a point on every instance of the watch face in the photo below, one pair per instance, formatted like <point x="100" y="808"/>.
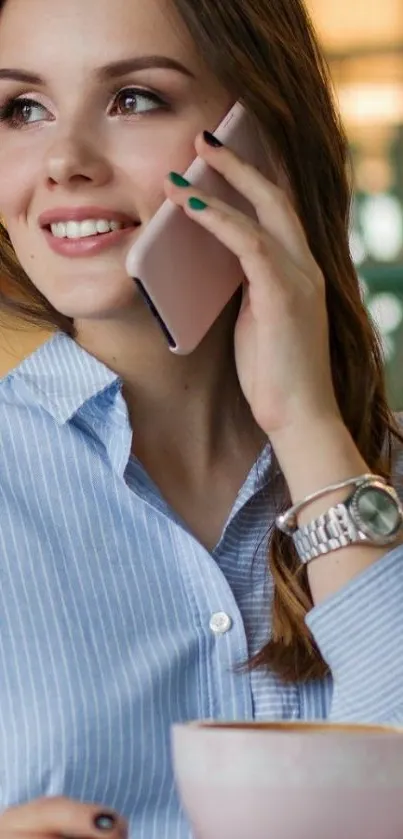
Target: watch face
<point x="377" y="512"/>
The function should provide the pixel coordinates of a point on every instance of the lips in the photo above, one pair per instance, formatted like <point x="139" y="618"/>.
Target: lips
<point x="62" y="228"/>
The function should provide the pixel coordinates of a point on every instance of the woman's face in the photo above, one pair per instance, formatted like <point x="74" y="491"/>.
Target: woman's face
<point x="89" y="132"/>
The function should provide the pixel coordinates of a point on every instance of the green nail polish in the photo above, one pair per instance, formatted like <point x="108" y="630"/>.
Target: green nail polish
<point x="178" y="180"/>
<point x="197" y="204"/>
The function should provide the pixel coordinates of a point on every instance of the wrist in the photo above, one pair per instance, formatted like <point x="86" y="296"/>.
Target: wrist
<point x="314" y="455"/>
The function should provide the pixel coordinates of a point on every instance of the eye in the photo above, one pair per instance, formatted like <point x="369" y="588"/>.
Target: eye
<point x="132" y="101"/>
<point x="18" y="113"/>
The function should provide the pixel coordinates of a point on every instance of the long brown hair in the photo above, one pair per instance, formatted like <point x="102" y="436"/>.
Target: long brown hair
<point x="265" y="52"/>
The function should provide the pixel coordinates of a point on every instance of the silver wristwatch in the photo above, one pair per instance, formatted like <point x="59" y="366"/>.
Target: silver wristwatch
<point x="371" y="514"/>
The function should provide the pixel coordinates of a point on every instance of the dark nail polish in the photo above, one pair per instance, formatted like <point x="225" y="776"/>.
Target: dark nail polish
<point x="197" y="204"/>
<point x="105" y="821"/>
<point x="178" y="180"/>
<point x="211" y="140"/>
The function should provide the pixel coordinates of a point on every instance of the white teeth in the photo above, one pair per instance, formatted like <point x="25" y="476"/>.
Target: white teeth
<point x="82" y="229"/>
<point x="87" y="228"/>
<point x="59" y="230"/>
<point x="73" y="229"/>
<point x="103" y="226"/>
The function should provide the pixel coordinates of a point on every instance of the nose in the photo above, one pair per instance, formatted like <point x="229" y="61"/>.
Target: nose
<point x="73" y="161"/>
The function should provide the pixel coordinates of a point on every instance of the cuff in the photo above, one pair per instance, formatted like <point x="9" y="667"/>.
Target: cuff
<point x="359" y="632"/>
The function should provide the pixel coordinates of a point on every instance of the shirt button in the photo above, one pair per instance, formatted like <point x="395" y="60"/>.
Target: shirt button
<point x="220" y="623"/>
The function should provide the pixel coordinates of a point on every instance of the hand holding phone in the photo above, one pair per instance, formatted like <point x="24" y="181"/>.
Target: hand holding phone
<point x="185" y="274"/>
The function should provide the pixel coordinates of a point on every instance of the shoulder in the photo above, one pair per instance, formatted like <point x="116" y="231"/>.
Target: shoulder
<point x="20" y="417"/>
<point x="11" y="399"/>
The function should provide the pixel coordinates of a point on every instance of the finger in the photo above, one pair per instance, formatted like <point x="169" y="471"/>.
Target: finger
<point x="63" y="817"/>
<point x="236" y="231"/>
<point x="36" y="836"/>
<point x="272" y="204"/>
<point x="31" y="836"/>
<point x="253" y="246"/>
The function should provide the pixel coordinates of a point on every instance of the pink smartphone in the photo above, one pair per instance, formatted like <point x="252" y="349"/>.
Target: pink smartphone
<point x="184" y="273"/>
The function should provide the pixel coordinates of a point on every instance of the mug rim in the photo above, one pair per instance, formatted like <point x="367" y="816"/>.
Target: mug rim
<point x="292" y="726"/>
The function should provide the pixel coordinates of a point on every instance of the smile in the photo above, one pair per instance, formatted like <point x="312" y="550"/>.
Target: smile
<point x="85" y="231"/>
<point x="79" y="241"/>
<point x="86" y="228"/>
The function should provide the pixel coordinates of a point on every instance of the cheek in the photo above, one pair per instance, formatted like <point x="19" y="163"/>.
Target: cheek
<point x="18" y="174"/>
<point x="152" y="158"/>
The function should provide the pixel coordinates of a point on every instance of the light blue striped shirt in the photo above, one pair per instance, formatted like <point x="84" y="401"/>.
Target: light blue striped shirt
<point x="115" y="622"/>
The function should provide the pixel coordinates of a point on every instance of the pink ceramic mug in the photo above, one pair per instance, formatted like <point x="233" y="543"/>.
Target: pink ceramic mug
<point x="290" y="780"/>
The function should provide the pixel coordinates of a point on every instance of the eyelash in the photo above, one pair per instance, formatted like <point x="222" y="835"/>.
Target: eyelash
<point x="15" y="103"/>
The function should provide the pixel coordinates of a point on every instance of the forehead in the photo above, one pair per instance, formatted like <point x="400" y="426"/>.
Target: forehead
<point x="50" y="32"/>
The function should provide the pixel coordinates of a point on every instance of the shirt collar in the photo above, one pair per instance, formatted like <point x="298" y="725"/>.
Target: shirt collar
<point x="62" y="376"/>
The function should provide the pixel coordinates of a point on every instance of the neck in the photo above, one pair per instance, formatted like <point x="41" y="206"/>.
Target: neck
<point x="189" y="408"/>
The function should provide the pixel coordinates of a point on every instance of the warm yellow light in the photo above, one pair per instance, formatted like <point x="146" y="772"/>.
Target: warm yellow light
<point x="370" y="103"/>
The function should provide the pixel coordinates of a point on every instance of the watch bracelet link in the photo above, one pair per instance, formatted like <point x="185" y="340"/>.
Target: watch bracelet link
<point x="329" y="532"/>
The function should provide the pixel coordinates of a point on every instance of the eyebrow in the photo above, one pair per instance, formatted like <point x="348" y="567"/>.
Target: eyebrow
<point x="110" y="71"/>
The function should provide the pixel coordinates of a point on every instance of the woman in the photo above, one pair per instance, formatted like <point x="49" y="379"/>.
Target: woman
<point x="139" y="490"/>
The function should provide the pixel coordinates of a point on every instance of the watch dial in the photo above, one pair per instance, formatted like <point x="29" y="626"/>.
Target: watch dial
<point x="378" y="512"/>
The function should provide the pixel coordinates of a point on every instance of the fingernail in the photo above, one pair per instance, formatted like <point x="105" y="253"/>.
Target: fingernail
<point x="211" y="140"/>
<point x="178" y="180"/>
<point x="197" y="204"/>
<point x="105" y="821"/>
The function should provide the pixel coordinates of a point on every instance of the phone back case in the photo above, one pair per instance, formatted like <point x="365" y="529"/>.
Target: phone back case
<point x="186" y="275"/>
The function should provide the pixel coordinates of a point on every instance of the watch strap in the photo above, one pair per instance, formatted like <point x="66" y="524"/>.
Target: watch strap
<point x="332" y="530"/>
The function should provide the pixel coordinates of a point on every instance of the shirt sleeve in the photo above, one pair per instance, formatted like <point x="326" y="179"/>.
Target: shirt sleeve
<point x="359" y="632"/>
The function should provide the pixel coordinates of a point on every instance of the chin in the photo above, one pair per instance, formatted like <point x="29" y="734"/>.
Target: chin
<point x="94" y="300"/>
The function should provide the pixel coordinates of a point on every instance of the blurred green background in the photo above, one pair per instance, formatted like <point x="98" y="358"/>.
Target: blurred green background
<point x="363" y="42"/>
<point x="377" y="245"/>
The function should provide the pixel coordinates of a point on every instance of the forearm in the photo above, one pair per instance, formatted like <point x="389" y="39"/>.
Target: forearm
<point x="312" y="457"/>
